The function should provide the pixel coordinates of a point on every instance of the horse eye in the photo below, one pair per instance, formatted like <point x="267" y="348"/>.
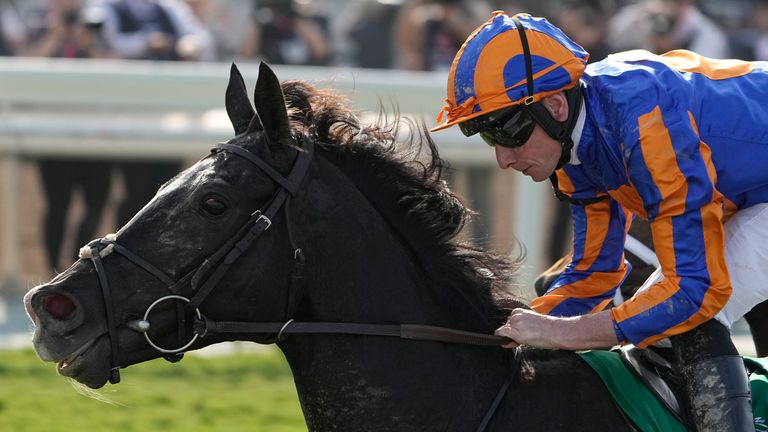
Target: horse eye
<point x="214" y="206"/>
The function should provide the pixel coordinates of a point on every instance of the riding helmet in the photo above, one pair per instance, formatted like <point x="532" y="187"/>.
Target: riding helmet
<point x="489" y="70"/>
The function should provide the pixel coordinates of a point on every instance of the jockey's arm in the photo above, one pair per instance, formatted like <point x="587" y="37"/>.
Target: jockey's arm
<point x="597" y="267"/>
<point x="674" y="177"/>
<point x="526" y="327"/>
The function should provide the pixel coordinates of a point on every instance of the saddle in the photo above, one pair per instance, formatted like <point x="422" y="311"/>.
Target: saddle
<point x="659" y="377"/>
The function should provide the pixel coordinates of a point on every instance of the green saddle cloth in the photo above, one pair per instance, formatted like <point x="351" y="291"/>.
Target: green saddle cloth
<point x="646" y="412"/>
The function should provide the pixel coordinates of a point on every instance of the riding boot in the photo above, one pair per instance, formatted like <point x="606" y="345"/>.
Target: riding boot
<point x="718" y="395"/>
<point x="715" y="379"/>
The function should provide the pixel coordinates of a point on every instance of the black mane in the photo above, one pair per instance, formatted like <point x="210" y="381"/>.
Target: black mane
<point x="402" y="178"/>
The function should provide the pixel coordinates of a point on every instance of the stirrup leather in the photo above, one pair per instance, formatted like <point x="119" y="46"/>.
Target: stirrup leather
<point x="646" y="364"/>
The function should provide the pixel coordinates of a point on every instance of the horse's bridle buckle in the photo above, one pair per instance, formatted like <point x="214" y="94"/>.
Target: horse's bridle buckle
<point x="266" y="220"/>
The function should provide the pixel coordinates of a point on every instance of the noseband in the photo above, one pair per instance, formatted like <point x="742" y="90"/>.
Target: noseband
<point x="203" y="279"/>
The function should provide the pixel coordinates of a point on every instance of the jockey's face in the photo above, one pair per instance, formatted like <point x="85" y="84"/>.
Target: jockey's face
<point x="537" y="158"/>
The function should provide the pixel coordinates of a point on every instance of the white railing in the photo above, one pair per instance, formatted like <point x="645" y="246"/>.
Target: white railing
<point x="169" y="110"/>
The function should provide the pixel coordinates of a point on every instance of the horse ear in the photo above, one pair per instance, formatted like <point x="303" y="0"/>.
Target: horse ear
<point x="239" y="108"/>
<point x="270" y="106"/>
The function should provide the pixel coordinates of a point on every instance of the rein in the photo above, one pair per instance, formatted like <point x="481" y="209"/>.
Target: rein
<point x="203" y="279"/>
<point x="205" y="327"/>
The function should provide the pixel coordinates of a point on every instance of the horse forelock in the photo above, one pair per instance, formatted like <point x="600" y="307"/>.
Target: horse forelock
<point x="402" y="178"/>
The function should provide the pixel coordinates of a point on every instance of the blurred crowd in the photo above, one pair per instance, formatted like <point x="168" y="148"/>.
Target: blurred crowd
<point x="405" y="34"/>
<point x="383" y="34"/>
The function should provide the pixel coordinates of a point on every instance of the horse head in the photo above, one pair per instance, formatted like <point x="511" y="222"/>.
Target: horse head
<point x="86" y="318"/>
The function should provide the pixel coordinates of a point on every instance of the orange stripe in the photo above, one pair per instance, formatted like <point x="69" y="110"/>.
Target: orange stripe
<point x="628" y="197"/>
<point x="489" y="71"/>
<point x="629" y="219"/>
<point x="646" y="300"/>
<point x="455" y="63"/>
<point x="546" y="303"/>
<point x="713" y="217"/>
<point x="564" y="182"/>
<point x="661" y="160"/>
<point x="566" y="186"/>
<point x="663" y="234"/>
<point x="714" y="239"/>
<point x="598" y="219"/>
<point x="687" y="61"/>
<point x="592" y="286"/>
<point x="600" y="306"/>
<point x="661" y="230"/>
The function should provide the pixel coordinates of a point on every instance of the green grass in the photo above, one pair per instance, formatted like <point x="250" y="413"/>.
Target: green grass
<point x="239" y="392"/>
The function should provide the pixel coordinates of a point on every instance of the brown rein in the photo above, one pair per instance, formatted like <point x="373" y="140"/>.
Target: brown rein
<point x="205" y="327"/>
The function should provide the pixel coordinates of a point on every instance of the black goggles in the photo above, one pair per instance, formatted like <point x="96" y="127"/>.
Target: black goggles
<point x="511" y="130"/>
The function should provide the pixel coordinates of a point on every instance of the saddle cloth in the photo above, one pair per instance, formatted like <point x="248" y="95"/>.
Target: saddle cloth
<point x="644" y="407"/>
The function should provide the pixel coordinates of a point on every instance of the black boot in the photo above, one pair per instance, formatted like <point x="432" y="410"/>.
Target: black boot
<point x="715" y="379"/>
<point x="718" y="395"/>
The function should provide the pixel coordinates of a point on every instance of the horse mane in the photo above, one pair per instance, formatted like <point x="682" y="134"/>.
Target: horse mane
<point x="402" y="178"/>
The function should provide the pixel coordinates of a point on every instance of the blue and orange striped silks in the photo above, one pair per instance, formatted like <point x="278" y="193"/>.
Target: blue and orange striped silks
<point x="679" y="140"/>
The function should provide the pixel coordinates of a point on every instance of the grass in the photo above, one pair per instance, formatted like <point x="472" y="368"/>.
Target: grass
<point x="238" y="392"/>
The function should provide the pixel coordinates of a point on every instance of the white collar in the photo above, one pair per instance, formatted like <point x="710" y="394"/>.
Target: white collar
<point x="576" y="134"/>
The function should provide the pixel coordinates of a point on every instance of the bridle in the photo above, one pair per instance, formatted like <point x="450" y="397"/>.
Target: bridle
<point x="204" y="278"/>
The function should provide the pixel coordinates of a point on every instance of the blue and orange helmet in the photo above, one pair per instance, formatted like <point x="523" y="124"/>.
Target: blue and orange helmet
<point x="489" y="70"/>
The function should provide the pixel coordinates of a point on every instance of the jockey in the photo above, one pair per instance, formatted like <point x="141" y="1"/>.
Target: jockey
<point x="676" y="139"/>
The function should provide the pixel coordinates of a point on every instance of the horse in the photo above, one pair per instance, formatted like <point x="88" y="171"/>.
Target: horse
<point x="320" y="234"/>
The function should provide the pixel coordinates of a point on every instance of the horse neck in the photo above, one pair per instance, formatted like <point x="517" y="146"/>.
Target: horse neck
<point x="364" y="265"/>
<point x="369" y="275"/>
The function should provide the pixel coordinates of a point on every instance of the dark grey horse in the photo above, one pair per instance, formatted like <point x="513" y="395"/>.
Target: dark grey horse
<point x="349" y="231"/>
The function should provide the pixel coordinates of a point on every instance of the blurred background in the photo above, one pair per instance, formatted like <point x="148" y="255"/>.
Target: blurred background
<point x="102" y="101"/>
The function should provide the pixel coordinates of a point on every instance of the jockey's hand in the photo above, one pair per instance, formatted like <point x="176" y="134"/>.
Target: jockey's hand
<point x="526" y="327"/>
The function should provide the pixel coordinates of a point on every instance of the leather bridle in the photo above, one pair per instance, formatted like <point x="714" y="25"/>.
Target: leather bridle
<point x="203" y="279"/>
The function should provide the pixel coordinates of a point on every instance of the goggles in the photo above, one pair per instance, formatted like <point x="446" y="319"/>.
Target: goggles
<point x="511" y="128"/>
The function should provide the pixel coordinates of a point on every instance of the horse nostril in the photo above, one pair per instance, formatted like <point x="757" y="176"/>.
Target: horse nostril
<point x="60" y="307"/>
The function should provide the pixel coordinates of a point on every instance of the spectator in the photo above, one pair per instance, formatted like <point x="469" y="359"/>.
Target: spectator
<point x="663" y="25"/>
<point x="148" y="30"/>
<point x="428" y="32"/>
<point x="282" y="33"/>
<point x="226" y="22"/>
<point x="11" y="29"/>
<point x="366" y="27"/>
<point x="586" y="21"/>
<point x="153" y="30"/>
<point x="199" y="44"/>
<point x="66" y="33"/>
<point x="751" y="42"/>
